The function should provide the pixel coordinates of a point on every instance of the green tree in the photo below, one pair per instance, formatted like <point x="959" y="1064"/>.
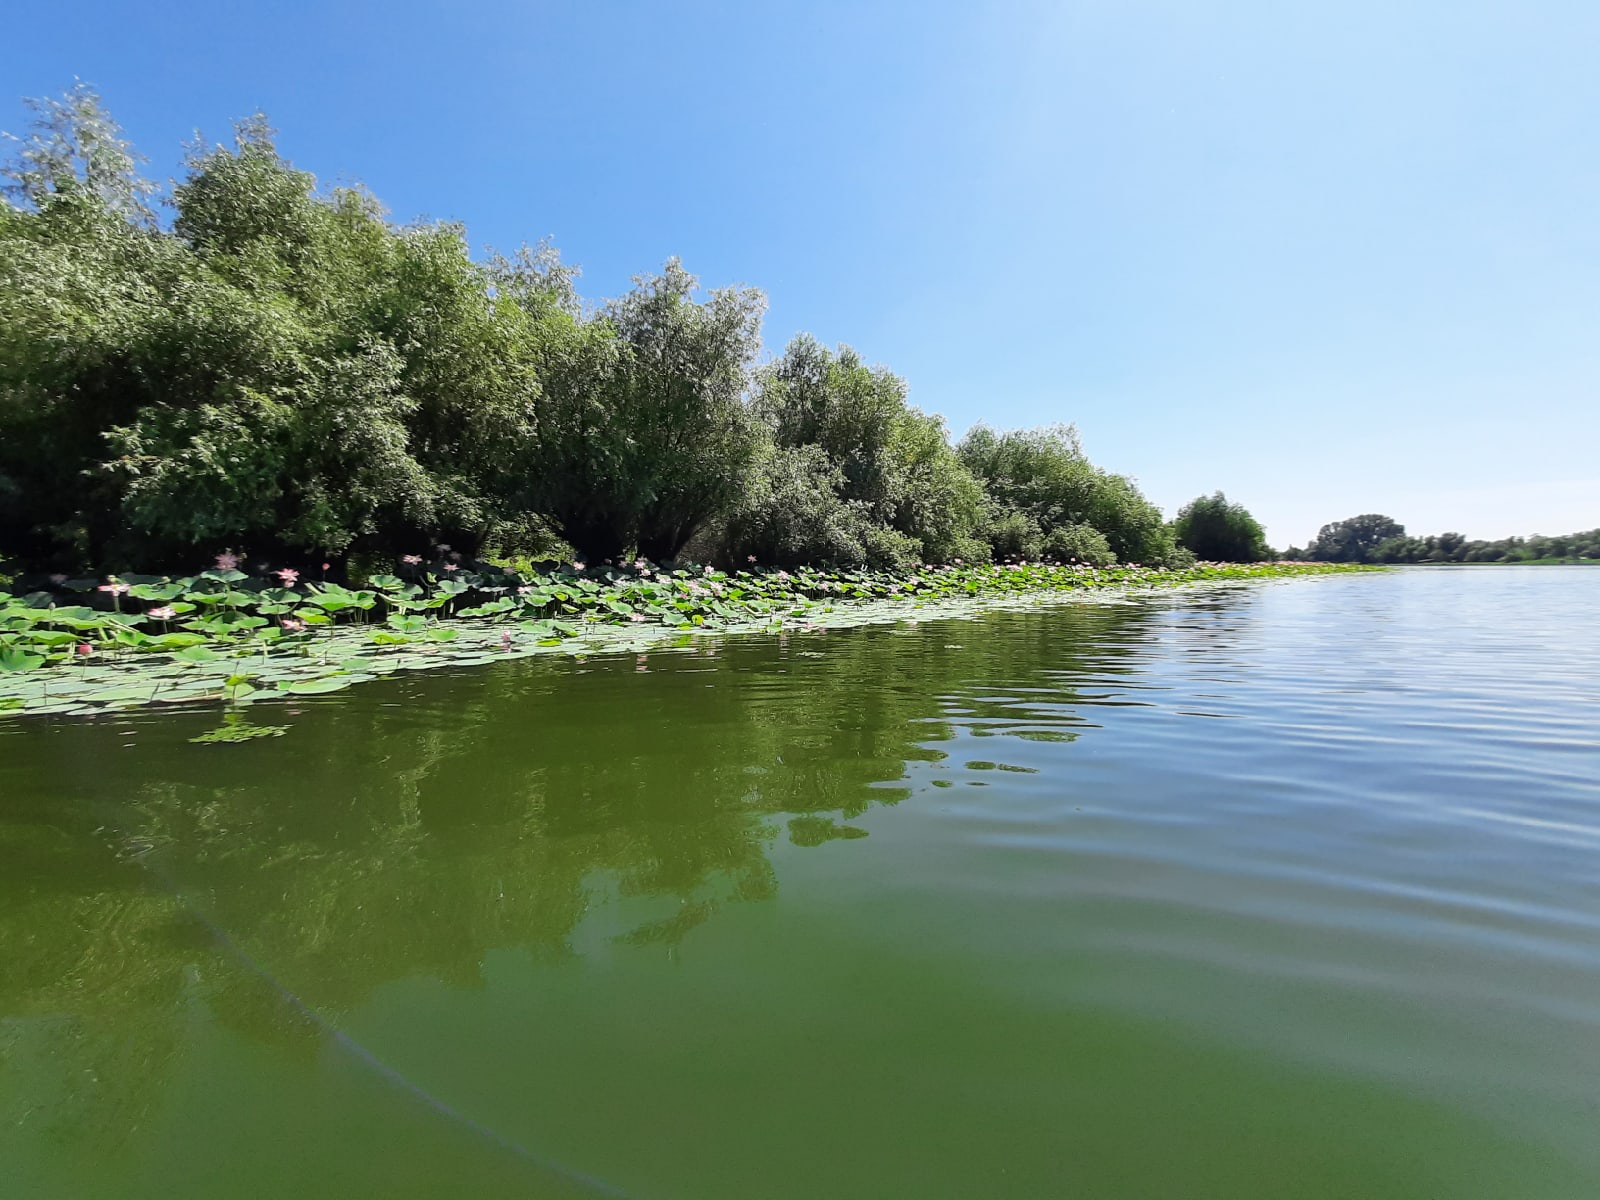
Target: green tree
<point x="75" y="148"/>
<point x="643" y="432"/>
<point x="885" y="488"/>
<point x="1044" y="476"/>
<point x="1219" y="531"/>
<point x="1353" y="539"/>
<point x="284" y="371"/>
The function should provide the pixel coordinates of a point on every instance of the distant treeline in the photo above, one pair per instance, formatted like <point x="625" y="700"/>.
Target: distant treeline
<point x="280" y="370"/>
<point x="1374" y="538"/>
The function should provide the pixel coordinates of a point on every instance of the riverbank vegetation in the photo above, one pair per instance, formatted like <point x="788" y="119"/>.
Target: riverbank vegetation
<point x="222" y="635"/>
<point x="1375" y="538"/>
<point x="249" y="362"/>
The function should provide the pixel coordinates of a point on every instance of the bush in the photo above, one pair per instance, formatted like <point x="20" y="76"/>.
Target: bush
<point x="1078" y="543"/>
<point x="1012" y="535"/>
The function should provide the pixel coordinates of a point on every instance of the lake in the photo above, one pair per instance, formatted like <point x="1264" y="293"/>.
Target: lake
<point x="1280" y="891"/>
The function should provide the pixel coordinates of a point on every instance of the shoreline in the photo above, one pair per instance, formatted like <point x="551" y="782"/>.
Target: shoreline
<point x="242" y="665"/>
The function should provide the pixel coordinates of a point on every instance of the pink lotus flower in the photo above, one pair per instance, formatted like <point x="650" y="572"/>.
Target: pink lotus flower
<point x="327" y="566"/>
<point x="84" y="649"/>
<point x="115" y="588"/>
<point x="578" y="566"/>
<point x="505" y="640"/>
<point x="165" y="613"/>
<point x="227" y="562"/>
<point x="292" y="624"/>
<point x="288" y="574"/>
<point x="749" y="558"/>
<point x="449" y="567"/>
<point x="412" y="559"/>
<point x="636" y="618"/>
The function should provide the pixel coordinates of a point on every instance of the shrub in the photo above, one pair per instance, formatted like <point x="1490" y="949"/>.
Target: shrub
<point x="1078" y="543"/>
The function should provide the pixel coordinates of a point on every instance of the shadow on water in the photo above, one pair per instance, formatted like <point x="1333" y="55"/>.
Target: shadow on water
<point x="410" y="828"/>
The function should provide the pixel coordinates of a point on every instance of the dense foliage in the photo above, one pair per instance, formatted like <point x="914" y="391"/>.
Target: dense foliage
<point x="1046" y="497"/>
<point x="280" y="370"/>
<point x="1214" y="529"/>
<point x="1374" y="538"/>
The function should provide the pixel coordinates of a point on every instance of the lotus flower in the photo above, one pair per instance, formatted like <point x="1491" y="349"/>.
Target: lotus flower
<point x="578" y="566"/>
<point x="749" y="558"/>
<point x="292" y="624"/>
<point x="412" y="559"/>
<point x="227" y="562"/>
<point x="84" y="649"/>
<point x="114" y="587"/>
<point x="288" y="574"/>
<point x="165" y="613"/>
<point x="449" y="567"/>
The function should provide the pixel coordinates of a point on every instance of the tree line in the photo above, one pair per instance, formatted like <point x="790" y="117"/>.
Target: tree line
<point x="1375" y="538"/>
<point x="246" y="361"/>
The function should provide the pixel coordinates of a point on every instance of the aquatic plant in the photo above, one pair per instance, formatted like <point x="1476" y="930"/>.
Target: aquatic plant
<point x="223" y="635"/>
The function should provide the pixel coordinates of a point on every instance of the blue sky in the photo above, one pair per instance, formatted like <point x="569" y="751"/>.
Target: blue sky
<point x="1329" y="257"/>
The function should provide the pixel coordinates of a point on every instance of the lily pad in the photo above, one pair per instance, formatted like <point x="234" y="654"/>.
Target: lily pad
<point x="316" y="687"/>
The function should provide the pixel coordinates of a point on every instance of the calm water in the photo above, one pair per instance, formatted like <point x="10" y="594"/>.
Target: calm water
<point x="1283" y="891"/>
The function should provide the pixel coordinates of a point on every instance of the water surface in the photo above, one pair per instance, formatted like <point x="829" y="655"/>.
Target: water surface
<point x="1284" y="891"/>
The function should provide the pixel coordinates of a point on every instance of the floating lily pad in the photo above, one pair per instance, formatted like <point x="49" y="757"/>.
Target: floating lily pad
<point x="19" y="660"/>
<point x="316" y="687"/>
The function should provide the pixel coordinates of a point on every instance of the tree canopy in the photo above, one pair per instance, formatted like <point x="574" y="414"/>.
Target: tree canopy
<point x="1215" y="530"/>
<point x="254" y="362"/>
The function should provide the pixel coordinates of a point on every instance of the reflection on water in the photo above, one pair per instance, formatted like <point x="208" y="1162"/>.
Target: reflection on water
<point x="1271" y="874"/>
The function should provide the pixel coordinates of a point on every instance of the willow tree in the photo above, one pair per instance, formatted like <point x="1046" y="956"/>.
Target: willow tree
<point x="283" y="371"/>
<point x="855" y="474"/>
<point x="642" y="432"/>
<point x="1218" y="530"/>
<point x="1044" y="491"/>
<point x="81" y="269"/>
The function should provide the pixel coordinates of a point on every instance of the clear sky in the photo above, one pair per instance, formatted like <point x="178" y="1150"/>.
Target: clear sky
<point x="1329" y="257"/>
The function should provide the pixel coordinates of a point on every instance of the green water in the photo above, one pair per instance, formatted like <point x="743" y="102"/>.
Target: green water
<point x="1275" y="891"/>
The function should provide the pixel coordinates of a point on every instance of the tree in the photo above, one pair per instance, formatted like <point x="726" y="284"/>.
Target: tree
<point x="76" y="149"/>
<point x="1218" y="531"/>
<point x="1353" y="539"/>
<point x="888" y="489"/>
<point x="642" y="431"/>
<point x="1043" y="476"/>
